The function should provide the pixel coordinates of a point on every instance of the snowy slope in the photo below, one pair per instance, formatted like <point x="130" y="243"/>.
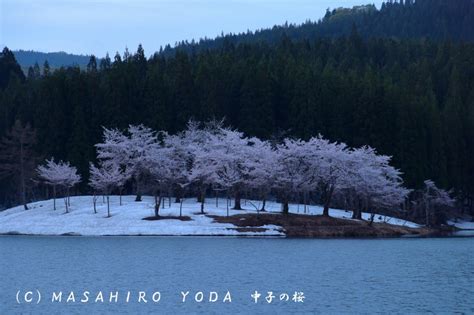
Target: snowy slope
<point x="41" y="219"/>
<point x="463" y="225"/>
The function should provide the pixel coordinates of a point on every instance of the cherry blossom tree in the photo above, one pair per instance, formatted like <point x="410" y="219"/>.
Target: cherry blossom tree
<point x="142" y="143"/>
<point x="261" y="168"/>
<point x="228" y="158"/>
<point x="105" y="179"/>
<point x="434" y="198"/>
<point x="162" y="169"/>
<point x="59" y="174"/>
<point x="179" y="165"/>
<point x="293" y="172"/>
<point x="130" y="151"/>
<point x="205" y="155"/>
<point x="199" y="141"/>
<point x="114" y="148"/>
<point x="374" y="181"/>
<point x="203" y="171"/>
<point x="329" y="168"/>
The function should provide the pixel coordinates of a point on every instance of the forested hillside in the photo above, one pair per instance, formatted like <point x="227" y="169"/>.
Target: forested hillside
<point x="410" y="98"/>
<point x="28" y="58"/>
<point x="428" y="19"/>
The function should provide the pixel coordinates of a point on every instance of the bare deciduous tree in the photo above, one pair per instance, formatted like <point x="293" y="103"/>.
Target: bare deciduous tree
<point x="18" y="158"/>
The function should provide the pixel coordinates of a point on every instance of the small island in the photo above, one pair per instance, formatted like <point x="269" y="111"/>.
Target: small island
<point x="211" y="179"/>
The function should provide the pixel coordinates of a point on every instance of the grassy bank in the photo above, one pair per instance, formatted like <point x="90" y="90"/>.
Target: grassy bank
<point x="297" y="225"/>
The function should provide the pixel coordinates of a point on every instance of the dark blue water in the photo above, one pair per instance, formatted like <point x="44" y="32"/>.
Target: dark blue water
<point x="336" y="276"/>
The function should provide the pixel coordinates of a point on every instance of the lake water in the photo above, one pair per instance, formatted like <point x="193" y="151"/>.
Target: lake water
<point x="336" y="276"/>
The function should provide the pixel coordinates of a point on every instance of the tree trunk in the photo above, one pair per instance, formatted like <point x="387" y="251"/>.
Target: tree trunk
<point x="371" y="220"/>
<point x="178" y="194"/>
<point x="427" y="214"/>
<point x="264" y="202"/>
<point x="94" y="202"/>
<point x="357" y="213"/>
<point x="237" y="205"/>
<point x="157" y="205"/>
<point x="354" y="213"/>
<point x="120" y="197"/>
<point x="298" y="205"/>
<point x="22" y="177"/>
<point x="66" y="201"/>
<point x="23" y="197"/>
<point x="304" y="202"/>
<point x="139" y="193"/>
<point x="327" y="201"/>
<point x="108" y="207"/>
<point x="203" y="199"/>
<point x="326" y="209"/>
<point x="370" y="208"/>
<point x="285" y="207"/>
<point x="180" y="207"/>
<point x="355" y="209"/>
<point x="54" y="197"/>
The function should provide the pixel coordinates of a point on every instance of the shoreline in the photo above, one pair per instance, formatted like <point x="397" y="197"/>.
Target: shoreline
<point x="137" y="219"/>
<point x="377" y="231"/>
<point x="317" y="226"/>
<point x="405" y="236"/>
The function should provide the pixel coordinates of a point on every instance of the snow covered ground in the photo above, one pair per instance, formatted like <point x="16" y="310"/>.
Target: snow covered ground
<point x="463" y="225"/>
<point x="126" y="219"/>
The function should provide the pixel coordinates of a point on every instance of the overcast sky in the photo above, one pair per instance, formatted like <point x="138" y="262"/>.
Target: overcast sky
<point x="100" y="26"/>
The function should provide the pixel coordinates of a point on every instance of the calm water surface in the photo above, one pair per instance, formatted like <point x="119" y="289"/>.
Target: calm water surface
<point x="404" y="276"/>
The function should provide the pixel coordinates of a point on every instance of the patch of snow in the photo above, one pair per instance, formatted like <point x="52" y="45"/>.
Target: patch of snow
<point x="463" y="225"/>
<point x="126" y="219"/>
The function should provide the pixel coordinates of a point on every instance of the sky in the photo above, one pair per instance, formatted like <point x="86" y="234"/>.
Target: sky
<point x="100" y="26"/>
